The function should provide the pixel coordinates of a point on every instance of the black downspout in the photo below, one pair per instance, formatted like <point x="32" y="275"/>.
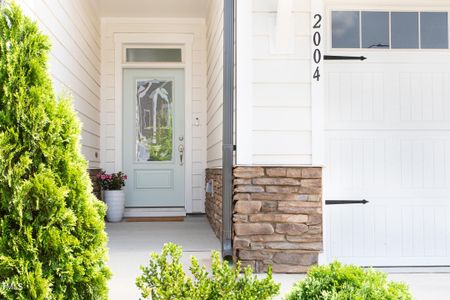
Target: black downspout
<point x="227" y="142"/>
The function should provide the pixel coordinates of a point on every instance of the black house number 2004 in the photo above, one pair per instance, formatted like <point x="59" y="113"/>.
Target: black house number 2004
<point x="317" y="40"/>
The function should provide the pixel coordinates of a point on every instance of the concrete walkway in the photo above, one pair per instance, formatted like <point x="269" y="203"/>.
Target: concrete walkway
<point x="131" y="243"/>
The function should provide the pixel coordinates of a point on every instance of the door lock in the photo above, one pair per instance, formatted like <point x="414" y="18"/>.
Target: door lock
<point x="181" y="150"/>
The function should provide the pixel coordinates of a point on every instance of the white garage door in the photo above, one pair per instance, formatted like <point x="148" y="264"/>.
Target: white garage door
<point x="388" y="139"/>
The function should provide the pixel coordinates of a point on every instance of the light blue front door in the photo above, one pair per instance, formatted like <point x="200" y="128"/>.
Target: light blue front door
<point x="153" y="137"/>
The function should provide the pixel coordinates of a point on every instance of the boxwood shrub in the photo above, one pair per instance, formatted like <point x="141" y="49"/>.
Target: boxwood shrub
<point x="347" y="282"/>
<point x="164" y="279"/>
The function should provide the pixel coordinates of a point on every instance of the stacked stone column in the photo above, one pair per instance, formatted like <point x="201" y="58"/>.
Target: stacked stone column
<point x="96" y="188"/>
<point x="278" y="217"/>
<point x="213" y="203"/>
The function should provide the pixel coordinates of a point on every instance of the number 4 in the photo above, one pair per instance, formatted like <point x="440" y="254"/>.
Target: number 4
<point x="316" y="75"/>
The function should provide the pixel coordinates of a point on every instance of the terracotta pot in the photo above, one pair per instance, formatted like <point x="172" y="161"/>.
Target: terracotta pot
<point x="115" y="201"/>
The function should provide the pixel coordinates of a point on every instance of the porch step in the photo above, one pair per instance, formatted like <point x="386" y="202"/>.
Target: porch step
<point x="154" y="219"/>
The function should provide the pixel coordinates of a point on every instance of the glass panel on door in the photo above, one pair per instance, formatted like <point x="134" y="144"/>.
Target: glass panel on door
<point x="154" y="136"/>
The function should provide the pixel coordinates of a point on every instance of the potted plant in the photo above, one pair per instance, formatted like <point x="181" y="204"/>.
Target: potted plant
<point x="113" y="194"/>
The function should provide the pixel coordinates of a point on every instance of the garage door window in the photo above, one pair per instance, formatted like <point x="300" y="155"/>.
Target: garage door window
<point x="345" y="29"/>
<point x="405" y="30"/>
<point x="390" y="30"/>
<point x="434" y="30"/>
<point x="375" y="29"/>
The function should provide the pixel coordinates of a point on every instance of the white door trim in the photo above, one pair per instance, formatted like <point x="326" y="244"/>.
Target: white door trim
<point x="183" y="41"/>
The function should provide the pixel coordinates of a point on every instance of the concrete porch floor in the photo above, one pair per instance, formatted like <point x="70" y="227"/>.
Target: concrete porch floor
<point x="131" y="243"/>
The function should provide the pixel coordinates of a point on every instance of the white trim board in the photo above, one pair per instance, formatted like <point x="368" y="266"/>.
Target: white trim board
<point x="184" y="41"/>
<point x="244" y="83"/>
<point x="123" y="20"/>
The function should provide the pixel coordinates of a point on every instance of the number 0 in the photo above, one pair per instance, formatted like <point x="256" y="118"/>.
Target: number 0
<point x="317" y="56"/>
<point x="317" y="38"/>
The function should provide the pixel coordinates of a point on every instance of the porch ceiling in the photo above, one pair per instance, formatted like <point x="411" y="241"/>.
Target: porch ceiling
<point x="153" y="8"/>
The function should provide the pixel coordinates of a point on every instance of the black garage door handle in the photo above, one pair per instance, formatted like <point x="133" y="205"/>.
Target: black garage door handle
<point x="342" y="202"/>
<point x="341" y="57"/>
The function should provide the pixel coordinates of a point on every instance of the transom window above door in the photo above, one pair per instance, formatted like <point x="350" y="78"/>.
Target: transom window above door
<point x="389" y="30"/>
<point x="153" y="55"/>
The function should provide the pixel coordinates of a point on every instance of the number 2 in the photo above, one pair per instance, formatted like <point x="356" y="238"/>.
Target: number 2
<point x="319" y="19"/>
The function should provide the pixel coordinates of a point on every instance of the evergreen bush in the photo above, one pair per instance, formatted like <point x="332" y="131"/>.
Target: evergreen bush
<point x="52" y="238"/>
<point x="165" y="279"/>
<point x="345" y="282"/>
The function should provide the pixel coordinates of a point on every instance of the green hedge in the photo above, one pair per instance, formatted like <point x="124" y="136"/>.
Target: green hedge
<point x="164" y="279"/>
<point x="52" y="239"/>
<point x="347" y="282"/>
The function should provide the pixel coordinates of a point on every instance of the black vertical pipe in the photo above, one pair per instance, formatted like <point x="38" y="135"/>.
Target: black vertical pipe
<point x="227" y="142"/>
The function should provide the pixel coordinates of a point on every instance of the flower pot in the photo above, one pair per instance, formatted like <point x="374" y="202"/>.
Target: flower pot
<point x="115" y="202"/>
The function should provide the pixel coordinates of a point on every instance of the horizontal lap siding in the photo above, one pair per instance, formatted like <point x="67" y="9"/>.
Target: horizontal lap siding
<point x="112" y="26"/>
<point x="74" y="31"/>
<point x="281" y="88"/>
<point x="214" y="39"/>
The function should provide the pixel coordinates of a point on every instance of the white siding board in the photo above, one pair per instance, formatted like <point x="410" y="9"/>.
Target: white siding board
<point x="89" y="25"/>
<point x="287" y="119"/>
<point x="271" y="6"/>
<point x="74" y="61"/>
<point x="214" y="43"/>
<point x="76" y="29"/>
<point x="282" y="125"/>
<point x="63" y="38"/>
<point x="281" y="71"/>
<point x="282" y="95"/>
<point x="262" y="44"/>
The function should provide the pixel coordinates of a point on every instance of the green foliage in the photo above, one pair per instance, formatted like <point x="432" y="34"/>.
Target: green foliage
<point x="345" y="282"/>
<point x="162" y="149"/>
<point x="52" y="239"/>
<point x="165" y="279"/>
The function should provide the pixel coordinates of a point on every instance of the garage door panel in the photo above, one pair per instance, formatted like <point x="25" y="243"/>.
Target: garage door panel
<point x="408" y="235"/>
<point x="355" y="97"/>
<point x="387" y="163"/>
<point x="397" y="99"/>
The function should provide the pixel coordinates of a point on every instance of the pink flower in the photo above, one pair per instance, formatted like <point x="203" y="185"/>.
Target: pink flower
<point x="103" y="177"/>
<point x="125" y="177"/>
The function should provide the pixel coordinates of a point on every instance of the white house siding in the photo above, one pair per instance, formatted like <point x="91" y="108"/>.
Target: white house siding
<point x="74" y="30"/>
<point x="214" y="39"/>
<point x="281" y="130"/>
<point x="196" y="27"/>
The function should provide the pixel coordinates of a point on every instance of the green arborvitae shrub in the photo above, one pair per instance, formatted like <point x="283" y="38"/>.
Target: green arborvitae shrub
<point x="165" y="279"/>
<point x="347" y="282"/>
<point x="52" y="238"/>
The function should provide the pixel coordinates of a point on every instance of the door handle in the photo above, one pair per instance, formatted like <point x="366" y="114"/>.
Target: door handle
<point x="340" y="202"/>
<point x="341" y="57"/>
<point x="181" y="150"/>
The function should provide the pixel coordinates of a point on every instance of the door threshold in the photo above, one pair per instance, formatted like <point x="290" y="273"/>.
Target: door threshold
<point x="149" y="212"/>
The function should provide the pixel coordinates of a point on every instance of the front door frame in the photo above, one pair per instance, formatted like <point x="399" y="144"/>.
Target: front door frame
<point x="182" y="41"/>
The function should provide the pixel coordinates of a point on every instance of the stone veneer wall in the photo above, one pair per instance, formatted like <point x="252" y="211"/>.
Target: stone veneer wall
<point x="95" y="186"/>
<point x="213" y="205"/>
<point x="278" y="217"/>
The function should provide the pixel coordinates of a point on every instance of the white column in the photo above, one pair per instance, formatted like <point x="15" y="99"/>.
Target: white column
<point x="284" y="29"/>
<point x="317" y="81"/>
<point x="244" y="82"/>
